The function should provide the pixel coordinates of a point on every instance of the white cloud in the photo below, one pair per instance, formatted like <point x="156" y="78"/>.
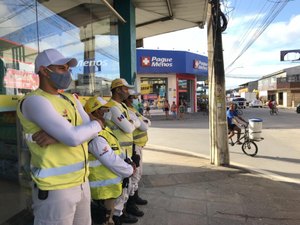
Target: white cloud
<point x="263" y="57"/>
<point x="193" y="39"/>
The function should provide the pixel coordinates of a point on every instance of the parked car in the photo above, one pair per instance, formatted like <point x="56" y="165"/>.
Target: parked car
<point x="241" y="102"/>
<point x="256" y="103"/>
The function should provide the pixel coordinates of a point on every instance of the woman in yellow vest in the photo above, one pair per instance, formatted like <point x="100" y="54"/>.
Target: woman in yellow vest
<point x="107" y="168"/>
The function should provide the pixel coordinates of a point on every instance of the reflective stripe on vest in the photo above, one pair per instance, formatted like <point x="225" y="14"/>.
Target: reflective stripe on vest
<point x="94" y="163"/>
<point x="102" y="183"/>
<point x="140" y="135"/>
<point x="48" y="172"/>
<point x="124" y="143"/>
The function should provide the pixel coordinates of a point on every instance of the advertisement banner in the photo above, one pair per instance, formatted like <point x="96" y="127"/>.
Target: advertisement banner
<point x="145" y="89"/>
<point x="21" y="79"/>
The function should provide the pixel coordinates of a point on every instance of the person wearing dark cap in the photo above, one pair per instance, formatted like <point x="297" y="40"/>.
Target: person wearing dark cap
<point x="122" y="127"/>
<point x="57" y="130"/>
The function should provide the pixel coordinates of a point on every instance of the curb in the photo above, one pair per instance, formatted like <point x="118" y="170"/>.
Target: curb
<point x="262" y="173"/>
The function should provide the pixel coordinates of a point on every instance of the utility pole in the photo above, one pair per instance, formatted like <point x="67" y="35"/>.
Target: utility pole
<point x="219" y="153"/>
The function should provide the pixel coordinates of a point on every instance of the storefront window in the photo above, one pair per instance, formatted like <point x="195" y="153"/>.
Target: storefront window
<point x="85" y="30"/>
<point x="154" y="90"/>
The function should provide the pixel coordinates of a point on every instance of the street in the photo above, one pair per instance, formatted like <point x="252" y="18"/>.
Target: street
<point x="278" y="154"/>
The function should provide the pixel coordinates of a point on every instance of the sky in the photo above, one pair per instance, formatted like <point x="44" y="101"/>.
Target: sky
<point x="245" y="21"/>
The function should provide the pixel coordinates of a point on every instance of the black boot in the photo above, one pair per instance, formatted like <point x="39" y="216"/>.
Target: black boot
<point x="117" y="220"/>
<point x="98" y="212"/>
<point x="138" y="200"/>
<point x="132" y="208"/>
<point x="127" y="218"/>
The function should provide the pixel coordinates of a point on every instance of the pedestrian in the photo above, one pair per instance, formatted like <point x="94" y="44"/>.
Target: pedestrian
<point x="122" y="127"/>
<point x="185" y="105"/>
<point x="147" y="109"/>
<point x="181" y="110"/>
<point x="166" y="108"/>
<point x="174" y="110"/>
<point x="57" y="130"/>
<point x="140" y="138"/>
<point x="107" y="168"/>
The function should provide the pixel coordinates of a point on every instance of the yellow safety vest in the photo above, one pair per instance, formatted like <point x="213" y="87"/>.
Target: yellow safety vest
<point x="140" y="138"/>
<point x="104" y="183"/>
<point x="56" y="166"/>
<point x="125" y="139"/>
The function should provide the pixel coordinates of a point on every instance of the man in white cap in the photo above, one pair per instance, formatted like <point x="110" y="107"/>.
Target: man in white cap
<point x="122" y="126"/>
<point x="60" y="129"/>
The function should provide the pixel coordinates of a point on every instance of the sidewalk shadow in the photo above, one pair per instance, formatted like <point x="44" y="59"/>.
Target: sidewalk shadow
<point x="279" y="158"/>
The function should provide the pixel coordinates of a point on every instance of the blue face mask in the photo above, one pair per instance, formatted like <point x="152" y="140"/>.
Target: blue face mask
<point x="60" y="80"/>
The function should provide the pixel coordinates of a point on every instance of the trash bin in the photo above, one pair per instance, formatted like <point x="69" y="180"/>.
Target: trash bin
<point x="255" y="128"/>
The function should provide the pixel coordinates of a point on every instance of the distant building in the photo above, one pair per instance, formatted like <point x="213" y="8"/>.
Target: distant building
<point x="282" y="86"/>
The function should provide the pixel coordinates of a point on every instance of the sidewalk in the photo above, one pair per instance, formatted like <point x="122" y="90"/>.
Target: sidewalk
<point x="183" y="189"/>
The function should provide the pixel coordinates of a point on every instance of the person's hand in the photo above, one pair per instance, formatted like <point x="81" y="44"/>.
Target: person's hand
<point x="92" y="117"/>
<point x="43" y="139"/>
<point x="134" y="168"/>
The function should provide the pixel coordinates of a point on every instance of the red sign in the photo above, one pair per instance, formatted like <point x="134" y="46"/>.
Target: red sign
<point x="150" y="97"/>
<point x="21" y="79"/>
<point x="146" y="61"/>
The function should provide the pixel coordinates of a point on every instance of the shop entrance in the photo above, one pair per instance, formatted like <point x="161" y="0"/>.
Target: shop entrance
<point x="186" y="92"/>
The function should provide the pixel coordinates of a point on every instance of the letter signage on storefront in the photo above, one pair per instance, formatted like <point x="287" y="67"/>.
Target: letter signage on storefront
<point x="200" y="65"/>
<point x="162" y="61"/>
<point x="154" y="61"/>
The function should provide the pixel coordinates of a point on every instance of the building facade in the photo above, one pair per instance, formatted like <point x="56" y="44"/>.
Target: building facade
<point x="170" y="75"/>
<point x="282" y="86"/>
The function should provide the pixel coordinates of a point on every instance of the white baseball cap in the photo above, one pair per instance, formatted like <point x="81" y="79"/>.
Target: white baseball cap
<point x="52" y="57"/>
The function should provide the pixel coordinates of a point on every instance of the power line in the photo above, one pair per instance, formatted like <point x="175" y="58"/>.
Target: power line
<point x="266" y="21"/>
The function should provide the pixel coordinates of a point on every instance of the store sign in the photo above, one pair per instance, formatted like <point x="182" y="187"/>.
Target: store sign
<point x="150" y="97"/>
<point x="200" y="65"/>
<point x="145" y="89"/>
<point x="21" y="79"/>
<point x="155" y="61"/>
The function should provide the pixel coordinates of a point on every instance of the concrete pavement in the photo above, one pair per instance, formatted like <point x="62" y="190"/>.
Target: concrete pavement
<point x="186" y="189"/>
